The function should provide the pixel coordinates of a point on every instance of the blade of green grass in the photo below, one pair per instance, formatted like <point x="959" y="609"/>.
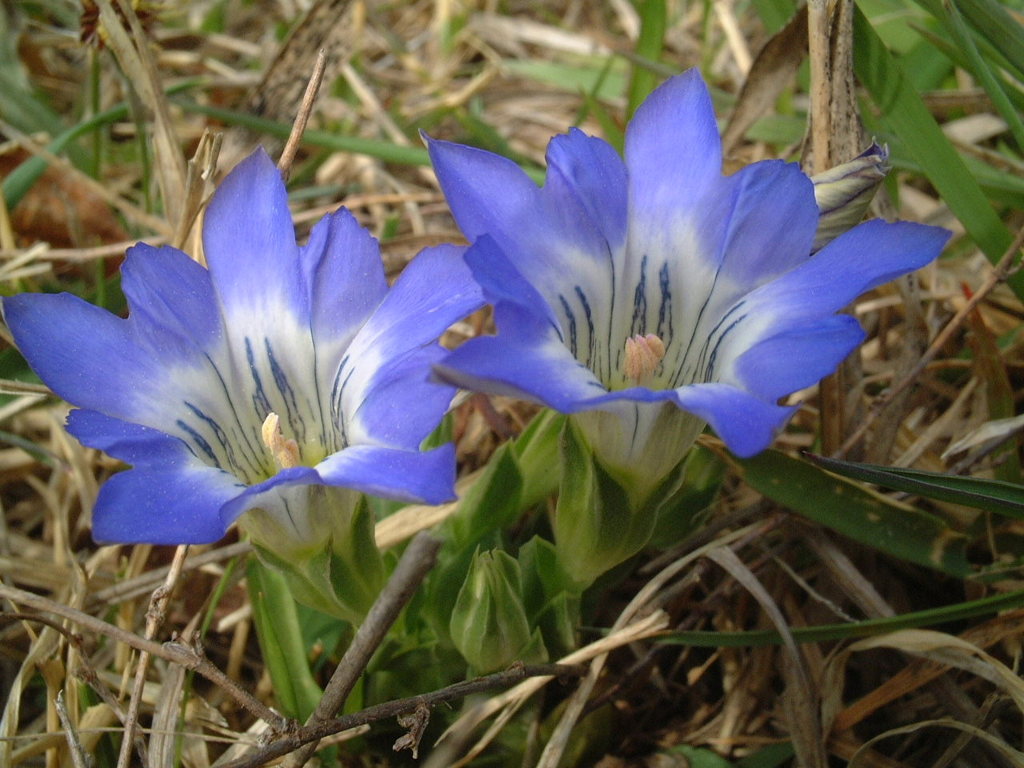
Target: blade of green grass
<point x="649" y="45"/>
<point x="387" y="151"/>
<point x="277" y="626"/>
<point x="867" y="628"/>
<point x="604" y="80"/>
<point x="905" y="113"/>
<point x="1001" y="498"/>
<point x="21" y="179"/>
<point x="956" y="29"/>
<point x="992" y="21"/>
<point x="856" y="512"/>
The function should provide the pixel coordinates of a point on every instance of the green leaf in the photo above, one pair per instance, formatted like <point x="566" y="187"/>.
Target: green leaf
<point x="869" y="627"/>
<point x="604" y="79"/>
<point x="277" y="626"/>
<point x="653" y="22"/>
<point x="387" y="151"/>
<point x="957" y="31"/>
<point x="1006" y="499"/>
<point x="770" y="757"/>
<point x="905" y="113"/>
<point x="856" y="512"/>
<point x="994" y="23"/>
<point x="774" y="13"/>
<point x="491" y="503"/>
<point x="21" y="179"/>
<point x="700" y="758"/>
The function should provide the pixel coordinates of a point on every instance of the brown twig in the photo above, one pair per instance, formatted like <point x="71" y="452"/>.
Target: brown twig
<point x="1002" y="270"/>
<point x="417" y="560"/>
<point x="389" y="709"/>
<point x="154" y="620"/>
<point x="78" y="756"/>
<point x="305" y="110"/>
<point x="173" y="652"/>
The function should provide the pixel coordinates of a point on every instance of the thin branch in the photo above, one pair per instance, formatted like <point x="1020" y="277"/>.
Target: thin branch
<point x="173" y="652"/>
<point x="417" y="560"/>
<point x="305" y="110"/>
<point x="154" y="620"/>
<point x="78" y="757"/>
<point x="389" y="709"/>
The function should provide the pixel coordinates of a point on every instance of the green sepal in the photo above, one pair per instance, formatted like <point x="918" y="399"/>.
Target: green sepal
<point x="344" y="576"/>
<point x="682" y="512"/>
<point x="596" y="523"/>
<point x="537" y="456"/>
<point x="549" y="596"/>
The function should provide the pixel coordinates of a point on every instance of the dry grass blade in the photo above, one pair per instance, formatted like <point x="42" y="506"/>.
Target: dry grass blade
<point x="510" y="701"/>
<point x="154" y="621"/>
<point x="302" y="118"/>
<point x="137" y="63"/>
<point x="201" y="169"/>
<point x="800" y="702"/>
<point x="999" y="273"/>
<point x="1013" y="756"/>
<point x="644" y="600"/>
<point x="333" y="27"/>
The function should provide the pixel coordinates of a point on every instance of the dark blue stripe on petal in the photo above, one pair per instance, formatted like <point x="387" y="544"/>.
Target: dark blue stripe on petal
<point x="293" y="413"/>
<point x="571" y="320"/>
<point x="591" y="336"/>
<point x="639" y="323"/>
<point x="259" y="400"/>
<point x="253" y="452"/>
<point x="199" y="440"/>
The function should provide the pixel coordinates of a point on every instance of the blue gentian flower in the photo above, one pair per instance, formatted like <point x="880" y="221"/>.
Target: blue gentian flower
<point x="650" y="295"/>
<point x="278" y="371"/>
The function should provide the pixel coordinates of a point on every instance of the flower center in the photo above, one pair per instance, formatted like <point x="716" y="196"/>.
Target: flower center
<point x="285" y="452"/>
<point x="643" y="353"/>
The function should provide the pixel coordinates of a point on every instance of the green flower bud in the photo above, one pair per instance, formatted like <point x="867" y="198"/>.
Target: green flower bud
<point x="844" y="192"/>
<point x="488" y="624"/>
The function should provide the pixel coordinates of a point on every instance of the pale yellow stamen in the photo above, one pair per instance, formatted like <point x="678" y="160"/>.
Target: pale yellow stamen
<point x="285" y="452"/>
<point x="643" y="353"/>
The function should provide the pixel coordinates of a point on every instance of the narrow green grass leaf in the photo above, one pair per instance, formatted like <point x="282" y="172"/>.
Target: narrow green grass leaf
<point x="956" y="56"/>
<point x="995" y="24"/>
<point x="605" y="80"/>
<point x="653" y="22"/>
<point x="771" y="756"/>
<point x="278" y="629"/>
<point x="949" y="17"/>
<point x="21" y="179"/>
<point x="774" y="14"/>
<point x="868" y="628"/>
<point x="856" y="512"/>
<point x="1001" y="498"/>
<point x="905" y="113"/>
<point x="387" y="151"/>
<point x="998" y="185"/>
<point x="382" y="150"/>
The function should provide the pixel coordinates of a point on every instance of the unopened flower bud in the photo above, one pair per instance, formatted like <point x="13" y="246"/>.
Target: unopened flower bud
<point x="488" y="624"/>
<point x="844" y="192"/>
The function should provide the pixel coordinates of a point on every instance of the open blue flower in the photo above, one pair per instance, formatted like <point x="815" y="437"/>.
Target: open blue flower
<point x="651" y="295"/>
<point x="279" y="370"/>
